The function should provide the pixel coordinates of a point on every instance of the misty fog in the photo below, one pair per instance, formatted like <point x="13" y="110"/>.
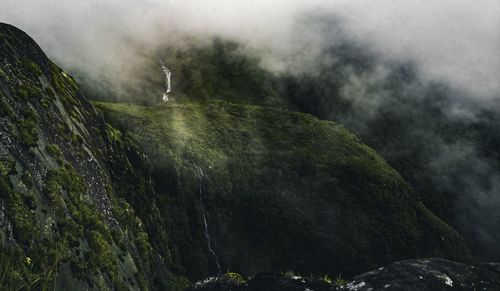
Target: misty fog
<point x="426" y="70"/>
<point x="457" y="41"/>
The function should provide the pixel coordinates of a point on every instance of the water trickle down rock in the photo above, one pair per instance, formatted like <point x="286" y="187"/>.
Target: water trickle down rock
<point x="210" y="241"/>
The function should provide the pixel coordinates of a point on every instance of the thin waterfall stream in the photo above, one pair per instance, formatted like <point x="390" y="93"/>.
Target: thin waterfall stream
<point x="168" y="76"/>
<point x="205" y="216"/>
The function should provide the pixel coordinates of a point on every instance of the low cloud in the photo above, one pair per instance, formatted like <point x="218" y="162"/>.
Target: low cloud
<point x="455" y="41"/>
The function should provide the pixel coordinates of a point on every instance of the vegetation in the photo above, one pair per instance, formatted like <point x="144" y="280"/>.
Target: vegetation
<point x="130" y="173"/>
<point x="32" y="268"/>
<point x="81" y="221"/>
<point x="260" y="166"/>
<point x="54" y="150"/>
<point x="440" y="141"/>
<point x="28" y="130"/>
<point x="29" y="66"/>
<point x="340" y="282"/>
<point x="227" y="177"/>
<point x="430" y="134"/>
<point x="221" y="70"/>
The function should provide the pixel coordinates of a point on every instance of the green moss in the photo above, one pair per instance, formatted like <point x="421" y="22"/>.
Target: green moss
<point x="65" y="86"/>
<point x="5" y="109"/>
<point x="308" y="186"/>
<point x="27" y="128"/>
<point x="142" y="281"/>
<point x="46" y="102"/>
<point x="102" y="255"/>
<point x="52" y="189"/>
<point x="30" y="66"/>
<point x="74" y="115"/>
<point x="235" y="278"/>
<point x="7" y="167"/>
<point x="27" y="179"/>
<point x="28" y="132"/>
<point x="136" y="207"/>
<point x="22" y="212"/>
<point x="84" y="220"/>
<point x="54" y="151"/>
<point x="113" y="134"/>
<point x="27" y="91"/>
<point x="76" y="139"/>
<point x="143" y="244"/>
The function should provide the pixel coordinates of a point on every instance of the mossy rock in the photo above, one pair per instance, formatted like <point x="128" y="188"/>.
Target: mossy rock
<point x="61" y="186"/>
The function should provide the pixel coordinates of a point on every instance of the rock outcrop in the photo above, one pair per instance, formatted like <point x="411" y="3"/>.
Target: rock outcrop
<point x="76" y="203"/>
<point x="410" y="275"/>
<point x="429" y="274"/>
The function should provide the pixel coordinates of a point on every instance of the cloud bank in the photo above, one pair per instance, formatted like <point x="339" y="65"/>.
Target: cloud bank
<point x="452" y="40"/>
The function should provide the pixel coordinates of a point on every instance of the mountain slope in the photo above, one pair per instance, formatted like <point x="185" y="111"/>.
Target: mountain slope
<point x="67" y="183"/>
<point x="221" y="186"/>
<point x="252" y="189"/>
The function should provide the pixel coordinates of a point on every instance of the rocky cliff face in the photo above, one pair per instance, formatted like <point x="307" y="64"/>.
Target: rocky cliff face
<point x="68" y="184"/>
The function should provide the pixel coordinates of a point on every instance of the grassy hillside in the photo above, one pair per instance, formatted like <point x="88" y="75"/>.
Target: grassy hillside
<point x="201" y="71"/>
<point x="279" y="190"/>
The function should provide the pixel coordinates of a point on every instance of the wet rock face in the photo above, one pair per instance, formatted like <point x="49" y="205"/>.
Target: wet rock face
<point x="66" y="184"/>
<point x="54" y="191"/>
<point x="410" y="275"/>
<point x="429" y="274"/>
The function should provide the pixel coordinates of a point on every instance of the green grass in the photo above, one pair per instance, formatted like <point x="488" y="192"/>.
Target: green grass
<point x="285" y="190"/>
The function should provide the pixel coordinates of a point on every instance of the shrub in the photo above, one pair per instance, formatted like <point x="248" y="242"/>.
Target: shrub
<point x="28" y="132"/>
<point x="53" y="150"/>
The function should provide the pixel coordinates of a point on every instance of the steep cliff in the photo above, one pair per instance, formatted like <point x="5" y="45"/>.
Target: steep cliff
<point x="69" y="185"/>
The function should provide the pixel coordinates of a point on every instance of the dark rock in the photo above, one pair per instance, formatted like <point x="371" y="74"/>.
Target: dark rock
<point x="265" y="282"/>
<point x="69" y="185"/>
<point x="429" y="274"/>
<point x="226" y="282"/>
<point x="277" y="282"/>
<point x="410" y="275"/>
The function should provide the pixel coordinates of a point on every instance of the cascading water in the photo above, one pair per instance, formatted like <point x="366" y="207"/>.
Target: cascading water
<point x="168" y="75"/>
<point x="204" y="213"/>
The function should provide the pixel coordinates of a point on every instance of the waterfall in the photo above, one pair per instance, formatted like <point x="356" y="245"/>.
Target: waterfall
<point x="168" y="75"/>
<point x="204" y="213"/>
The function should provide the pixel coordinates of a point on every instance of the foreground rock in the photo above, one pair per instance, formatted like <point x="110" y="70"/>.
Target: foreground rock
<point x="410" y="275"/>
<point x="265" y="281"/>
<point x="430" y="274"/>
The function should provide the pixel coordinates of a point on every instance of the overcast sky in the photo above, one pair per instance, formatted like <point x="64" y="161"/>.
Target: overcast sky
<point x="454" y="40"/>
